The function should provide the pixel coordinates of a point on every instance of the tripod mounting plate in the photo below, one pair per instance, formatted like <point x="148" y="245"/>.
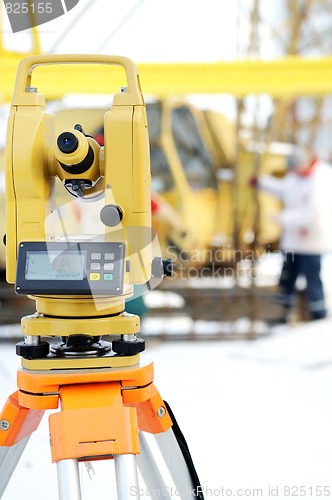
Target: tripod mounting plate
<point x="55" y="363"/>
<point x="38" y="324"/>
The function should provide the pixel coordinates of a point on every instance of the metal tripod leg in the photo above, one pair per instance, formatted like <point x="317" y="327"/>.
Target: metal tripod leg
<point x="126" y="477"/>
<point x="9" y="458"/>
<point x="176" y="464"/>
<point x="125" y="472"/>
<point x="17" y="424"/>
<point x="68" y="480"/>
<point x="150" y="472"/>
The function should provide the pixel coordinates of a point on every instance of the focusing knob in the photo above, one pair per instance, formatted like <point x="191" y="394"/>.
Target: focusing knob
<point x="111" y="215"/>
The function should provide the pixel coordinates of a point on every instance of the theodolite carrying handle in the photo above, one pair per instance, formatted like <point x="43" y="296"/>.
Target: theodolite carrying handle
<point x="132" y="96"/>
<point x="124" y="161"/>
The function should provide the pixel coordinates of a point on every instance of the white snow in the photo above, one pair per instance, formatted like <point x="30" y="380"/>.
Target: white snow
<point x="256" y="415"/>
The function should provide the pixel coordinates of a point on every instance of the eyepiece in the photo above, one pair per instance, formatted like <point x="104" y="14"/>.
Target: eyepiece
<point x="67" y="142"/>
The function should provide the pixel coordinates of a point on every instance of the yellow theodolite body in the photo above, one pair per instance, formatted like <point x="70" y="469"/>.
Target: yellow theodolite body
<point x="58" y="270"/>
<point x="120" y="169"/>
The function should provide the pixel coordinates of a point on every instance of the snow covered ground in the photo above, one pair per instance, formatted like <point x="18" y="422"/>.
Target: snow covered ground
<point x="257" y="416"/>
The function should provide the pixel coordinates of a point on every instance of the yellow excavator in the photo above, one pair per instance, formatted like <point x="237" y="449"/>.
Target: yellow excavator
<point x="183" y="193"/>
<point x="194" y="183"/>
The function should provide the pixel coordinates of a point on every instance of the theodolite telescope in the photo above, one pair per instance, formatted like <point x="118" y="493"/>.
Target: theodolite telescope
<point x="77" y="155"/>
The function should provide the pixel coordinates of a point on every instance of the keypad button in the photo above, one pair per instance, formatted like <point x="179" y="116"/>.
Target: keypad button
<point x="95" y="266"/>
<point x="108" y="277"/>
<point x="109" y="266"/>
<point x="109" y="256"/>
<point x="94" y="276"/>
<point x="96" y="256"/>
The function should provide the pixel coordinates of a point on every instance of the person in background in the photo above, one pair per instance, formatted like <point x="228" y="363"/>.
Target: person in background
<point x="306" y="221"/>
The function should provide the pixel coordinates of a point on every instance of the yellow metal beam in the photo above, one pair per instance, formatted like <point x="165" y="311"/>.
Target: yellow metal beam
<point x="288" y="77"/>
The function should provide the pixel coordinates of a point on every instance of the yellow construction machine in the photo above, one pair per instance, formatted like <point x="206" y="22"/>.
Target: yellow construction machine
<point x="202" y="205"/>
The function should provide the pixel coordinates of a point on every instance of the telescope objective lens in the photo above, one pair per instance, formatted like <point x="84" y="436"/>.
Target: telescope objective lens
<point x="67" y="142"/>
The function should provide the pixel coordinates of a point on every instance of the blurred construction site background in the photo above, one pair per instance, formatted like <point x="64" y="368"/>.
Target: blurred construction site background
<point x="270" y="89"/>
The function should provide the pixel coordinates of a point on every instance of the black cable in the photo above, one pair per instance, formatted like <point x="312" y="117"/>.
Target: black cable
<point x="197" y="488"/>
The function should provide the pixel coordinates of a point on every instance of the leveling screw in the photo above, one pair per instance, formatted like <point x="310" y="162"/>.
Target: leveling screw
<point x="161" y="412"/>
<point x="4" y="425"/>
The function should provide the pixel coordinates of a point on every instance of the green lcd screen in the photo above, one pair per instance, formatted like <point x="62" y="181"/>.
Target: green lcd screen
<point x="64" y="266"/>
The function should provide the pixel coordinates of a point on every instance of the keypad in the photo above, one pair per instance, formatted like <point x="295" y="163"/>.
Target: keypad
<point x="103" y="264"/>
<point x="105" y="267"/>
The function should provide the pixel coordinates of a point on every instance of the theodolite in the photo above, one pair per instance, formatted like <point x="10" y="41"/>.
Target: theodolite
<point x="72" y="279"/>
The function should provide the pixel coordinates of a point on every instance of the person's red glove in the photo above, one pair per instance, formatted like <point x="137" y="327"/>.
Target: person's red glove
<point x="100" y="139"/>
<point x="154" y="206"/>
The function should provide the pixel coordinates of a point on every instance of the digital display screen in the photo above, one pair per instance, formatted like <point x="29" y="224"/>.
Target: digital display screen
<point x="62" y="266"/>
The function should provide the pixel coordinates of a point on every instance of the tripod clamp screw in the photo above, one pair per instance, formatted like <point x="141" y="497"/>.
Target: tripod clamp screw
<point x="4" y="425"/>
<point x="128" y="345"/>
<point x="32" y="348"/>
<point x="161" y="412"/>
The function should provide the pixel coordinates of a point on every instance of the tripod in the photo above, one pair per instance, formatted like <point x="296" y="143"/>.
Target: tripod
<point x="106" y="405"/>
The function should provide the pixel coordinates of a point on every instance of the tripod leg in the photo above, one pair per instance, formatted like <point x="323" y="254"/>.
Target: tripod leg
<point x="176" y="463"/>
<point x="126" y="477"/>
<point x="68" y="480"/>
<point x="9" y="458"/>
<point x="16" y="425"/>
<point x="155" y="416"/>
<point x="150" y="472"/>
